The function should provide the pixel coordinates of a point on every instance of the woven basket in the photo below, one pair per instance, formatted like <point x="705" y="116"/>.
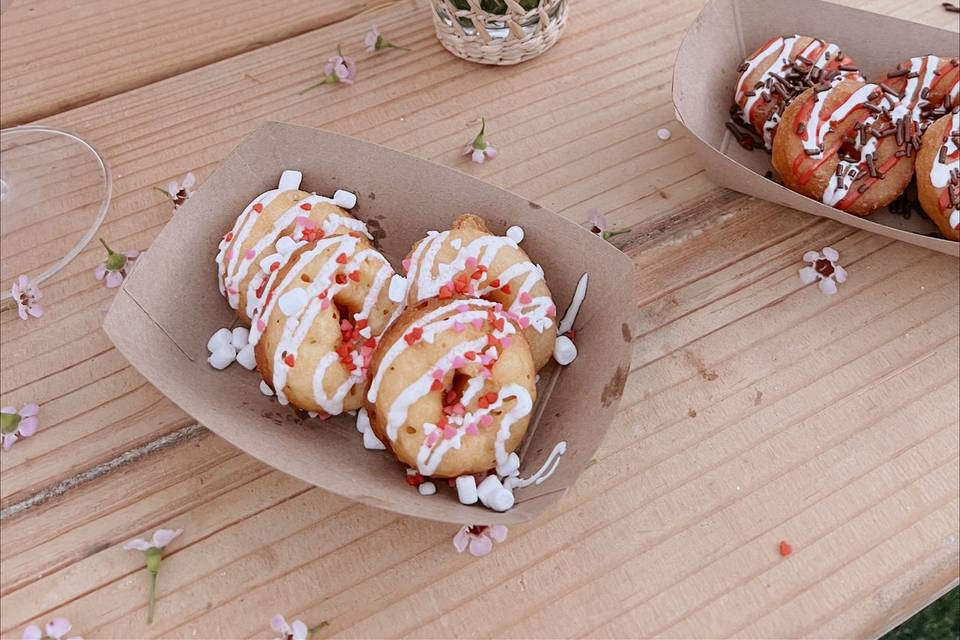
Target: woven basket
<point x="489" y="38"/>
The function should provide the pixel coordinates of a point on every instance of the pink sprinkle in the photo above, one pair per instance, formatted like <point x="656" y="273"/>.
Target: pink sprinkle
<point x="229" y="253"/>
<point x="406" y="264"/>
<point x="324" y="304"/>
<point x="459" y="362"/>
<point x="261" y="325"/>
<point x="232" y="290"/>
<point x="448" y="432"/>
<point x="477" y="323"/>
<point x="323" y="415"/>
<point x="366" y="352"/>
<point x="486" y="421"/>
<point x="471" y="262"/>
<point x="485" y="373"/>
<point x="505" y="341"/>
<point x="432" y="438"/>
<point x="458" y="409"/>
<point x="498" y="307"/>
<point x="458" y="326"/>
<point x="250" y="254"/>
<point x="524" y="322"/>
<point x="345" y="325"/>
<point x="472" y="429"/>
<point x="551" y="311"/>
<point x="463" y="308"/>
<point x="437" y="374"/>
<point x="513" y="316"/>
<point x="486" y="359"/>
<point x="525" y="298"/>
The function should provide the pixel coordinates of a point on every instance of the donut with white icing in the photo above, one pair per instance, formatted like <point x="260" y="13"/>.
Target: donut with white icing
<point x="452" y="387"/>
<point x="838" y="144"/>
<point x="271" y="216"/>
<point x="470" y="260"/>
<point x="924" y="87"/>
<point x="326" y="305"/>
<point x="780" y="70"/>
<point x="938" y="174"/>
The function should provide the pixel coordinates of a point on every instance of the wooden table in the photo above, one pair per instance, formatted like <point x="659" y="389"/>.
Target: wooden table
<point x="757" y="409"/>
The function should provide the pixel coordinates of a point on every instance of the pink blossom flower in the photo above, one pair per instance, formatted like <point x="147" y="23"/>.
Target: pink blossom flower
<point x="340" y="69"/>
<point x="18" y="424"/>
<point x="823" y="266"/>
<point x="480" y="149"/>
<point x="55" y="629"/>
<point x="296" y="630"/>
<point x="479" y="538"/>
<point x="27" y="296"/>
<point x="116" y="267"/>
<point x="153" y="550"/>
<point x="375" y="42"/>
<point x="598" y="224"/>
<point x="180" y="191"/>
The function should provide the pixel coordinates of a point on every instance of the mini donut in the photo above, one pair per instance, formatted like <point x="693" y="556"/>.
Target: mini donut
<point x="452" y="387"/>
<point x="469" y="259"/>
<point x="925" y="88"/>
<point x="779" y="71"/>
<point x="271" y="216"/>
<point x="938" y="173"/>
<point x="838" y="145"/>
<point x="327" y="304"/>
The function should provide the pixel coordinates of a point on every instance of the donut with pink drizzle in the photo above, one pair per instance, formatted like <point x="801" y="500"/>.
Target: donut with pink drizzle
<point x="840" y="145"/>
<point x="259" y="232"/>
<point x="326" y="305"/>
<point x="782" y="68"/>
<point x="938" y="174"/>
<point x="470" y="260"/>
<point x="452" y="387"/>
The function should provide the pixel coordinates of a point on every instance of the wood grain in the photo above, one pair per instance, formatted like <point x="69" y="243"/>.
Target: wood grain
<point x="756" y="409"/>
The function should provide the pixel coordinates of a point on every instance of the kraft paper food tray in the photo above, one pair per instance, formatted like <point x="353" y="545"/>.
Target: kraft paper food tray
<point x="727" y="31"/>
<point x="170" y="305"/>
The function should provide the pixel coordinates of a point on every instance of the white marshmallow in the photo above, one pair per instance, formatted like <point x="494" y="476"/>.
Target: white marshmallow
<point x="502" y="500"/>
<point x="286" y="245"/>
<point x="345" y="199"/>
<point x="269" y="261"/>
<point x="564" y="351"/>
<point x="220" y="338"/>
<point x="312" y="414"/>
<point x="467" y="489"/>
<point x="246" y="357"/>
<point x="398" y="288"/>
<point x="511" y="466"/>
<point x="664" y="134"/>
<point x="363" y="421"/>
<point x="290" y="180"/>
<point x="265" y="388"/>
<point x="293" y="301"/>
<point x="239" y="337"/>
<point x="427" y="488"/>
<point x="371" y="441"/>
<point x="488" y="488"/>
<point x="222" y="356"/>
<point x="515" y="233"/>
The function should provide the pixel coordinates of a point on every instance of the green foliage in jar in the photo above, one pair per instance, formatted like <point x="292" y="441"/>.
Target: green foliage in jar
<point x="497" y="7"/>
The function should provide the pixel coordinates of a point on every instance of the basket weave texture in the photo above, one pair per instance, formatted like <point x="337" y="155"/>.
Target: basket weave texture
<point x="489" y="38"/>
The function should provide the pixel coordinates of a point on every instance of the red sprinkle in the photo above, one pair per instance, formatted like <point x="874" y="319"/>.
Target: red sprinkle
<point x="306" y="206"/>
<point x="258" y="207"/>
<point x="355" y="276"/>
<point x="506" y="288"/>
<point x="354" y="234"/>
<point x="436" y="386"/>
<point x="495" y="283"/>
<point x="229" y="236"/>
<point x="491" y="397"/>
<point x="470" y="355"/>
<point x="342" y="258"/>
<point x="445" y="292"/>
<point x="414" y="479"/>
<point x="274" y="266"/>
<point x="785" y="548"/>
<point x="371" y="343"/>
<point x="288" y="360"/>
<point x="415" y="334"/>
<point x="341" y="279"/>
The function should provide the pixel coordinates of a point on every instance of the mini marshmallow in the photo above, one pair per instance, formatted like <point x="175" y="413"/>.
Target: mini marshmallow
<point x="511" y="466"/>
<point x="265" y="388"/>
<point x="564" y="351"/>
<point x="267" y="263"/>
<point x="502" y="500"/>
<point x="489" y="488"/>
<point x="371" y="441"/>
<point x="286" y="245"/>
<point x="222" y="356"/>
<point x="467" y="489"/>
<point x="290" y="180"/>
<point x="398" y="288"/>
<point x="664" y="134"/>
<point x="515" y="233"/>
<point x="293" y="301"/>
<point x="345" y="199"/>
<point x="220" y="338"/>
<point x="246" y="357"/>
<point x="363" y="421"/>
<point x="427" y="488"/>
<point x="239" y="337"/>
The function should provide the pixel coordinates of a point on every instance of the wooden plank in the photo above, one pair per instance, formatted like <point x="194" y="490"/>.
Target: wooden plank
<point x="126" y="45"/>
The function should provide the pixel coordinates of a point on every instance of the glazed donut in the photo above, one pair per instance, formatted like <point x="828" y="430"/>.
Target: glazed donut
<point x="780" y="70"/>
<point x="924" y="87"/>
<point x="265" y="221"/>
<point x="838" y="145"/>
<point x="452" y="387"/>
<point x="468" y="259"/>
<point x="326" y="305"/>
<point x="938" y="173"/>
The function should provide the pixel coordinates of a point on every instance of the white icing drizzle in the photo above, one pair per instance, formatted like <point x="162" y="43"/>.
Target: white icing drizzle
<point x="566" y="324"/>
<point x="546" y="469"/>
<point x="481" y="252"/>
<point x="940" y="171"/>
